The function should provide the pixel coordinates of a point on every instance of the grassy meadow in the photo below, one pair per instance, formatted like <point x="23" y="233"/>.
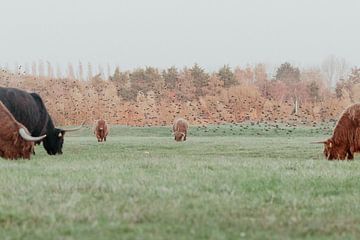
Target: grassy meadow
<point x="226" y="182"/>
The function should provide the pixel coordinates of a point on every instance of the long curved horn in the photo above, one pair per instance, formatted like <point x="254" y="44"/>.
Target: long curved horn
<point x="73" y="129"/>
<point x="318" y="142"/>
<point x="27" y="137"/>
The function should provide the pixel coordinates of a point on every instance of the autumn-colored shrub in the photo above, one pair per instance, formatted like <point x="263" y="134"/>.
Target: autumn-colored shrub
<point x="153" y="97"/>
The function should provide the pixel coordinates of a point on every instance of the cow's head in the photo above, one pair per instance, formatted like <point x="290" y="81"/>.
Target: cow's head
<point x="53" y="143"/>
<point x="333" y="151"/>
<point x="179" y="136"/>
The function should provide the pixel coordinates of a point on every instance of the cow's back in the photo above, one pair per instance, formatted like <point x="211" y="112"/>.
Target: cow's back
<point x="354" y="113"/>
<point x="180" y="125"/>
<point x="28" y="109"/>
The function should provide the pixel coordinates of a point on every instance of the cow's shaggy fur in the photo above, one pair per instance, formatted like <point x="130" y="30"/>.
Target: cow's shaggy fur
<point x="29" y="109"/>
<point x="345" y="140"/>
<point x="101" y="130"/>
<point x="12" y="145"/>
<point x="180" y="128"/>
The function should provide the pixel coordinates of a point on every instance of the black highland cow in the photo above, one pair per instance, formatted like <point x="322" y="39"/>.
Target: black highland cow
<point x="29" y="110"/>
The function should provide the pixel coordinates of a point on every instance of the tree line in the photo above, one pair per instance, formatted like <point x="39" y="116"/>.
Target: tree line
<point x="228" y="94"/>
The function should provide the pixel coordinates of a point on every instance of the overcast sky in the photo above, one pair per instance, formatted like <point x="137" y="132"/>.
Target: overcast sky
<point x="162" y="33"/>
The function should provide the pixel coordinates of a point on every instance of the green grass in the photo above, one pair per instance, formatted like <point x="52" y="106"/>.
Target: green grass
<point x="225" y="182"/>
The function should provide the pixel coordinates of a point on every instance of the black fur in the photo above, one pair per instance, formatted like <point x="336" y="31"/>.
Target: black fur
<point x="29" y="109"/>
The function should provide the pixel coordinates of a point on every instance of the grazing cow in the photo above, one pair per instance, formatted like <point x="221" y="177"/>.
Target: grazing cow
<point x="29" y="110"/>
<point x="345" y="140"/>
<point x="101" y="130"/>
<point x="15" y="140"/>
<point x="180" y="129"/>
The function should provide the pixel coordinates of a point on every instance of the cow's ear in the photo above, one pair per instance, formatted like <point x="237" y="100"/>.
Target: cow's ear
<point x="61" y="134"/>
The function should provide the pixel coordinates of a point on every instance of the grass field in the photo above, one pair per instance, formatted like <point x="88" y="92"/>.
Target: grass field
<point x="227" y="182"/>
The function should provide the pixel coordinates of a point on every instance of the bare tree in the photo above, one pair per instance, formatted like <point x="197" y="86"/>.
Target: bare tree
<point x="108" y="71"/>
<point x="290" y="75"/>
<point x="101" y="72"/>
<point x="41" y="68"/>
<point x="80" y="71"/>
<point x="16" y="68"/>
<point x="70" y="71"/>
<point x="261" y="78"/>
<point x="50" y="71"/>
<point x="58" y="71"/>
<point x="90" y="71"/>
<point x="334" y="69"/>
<point x="27" y="68"/>
<point x="33" y="69"/>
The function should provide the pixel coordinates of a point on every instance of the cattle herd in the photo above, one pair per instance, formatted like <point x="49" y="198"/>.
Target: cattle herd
<point x="25" y="121"/>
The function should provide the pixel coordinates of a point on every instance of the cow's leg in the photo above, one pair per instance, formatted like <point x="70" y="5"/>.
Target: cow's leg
<point x="350" y="155"/>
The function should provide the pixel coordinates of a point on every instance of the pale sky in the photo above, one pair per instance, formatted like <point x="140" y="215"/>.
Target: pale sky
<point x="162" y="33"/>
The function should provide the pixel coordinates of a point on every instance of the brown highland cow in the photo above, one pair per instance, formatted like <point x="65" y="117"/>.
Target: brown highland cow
<point x="345" y="140"/>
<point x="101" y="130"/>
<point x="180" y="129"/>
<point x="15" y="139"/>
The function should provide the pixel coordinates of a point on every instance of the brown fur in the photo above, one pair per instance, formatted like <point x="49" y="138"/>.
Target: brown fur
<point x="12" y="145"/>
<point x="180" y="129"/>
<point x="345" y="140"/>
<point x="101" y="130"/>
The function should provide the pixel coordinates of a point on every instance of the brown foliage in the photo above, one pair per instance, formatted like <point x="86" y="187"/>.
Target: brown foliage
<point x="166" y="96"/>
